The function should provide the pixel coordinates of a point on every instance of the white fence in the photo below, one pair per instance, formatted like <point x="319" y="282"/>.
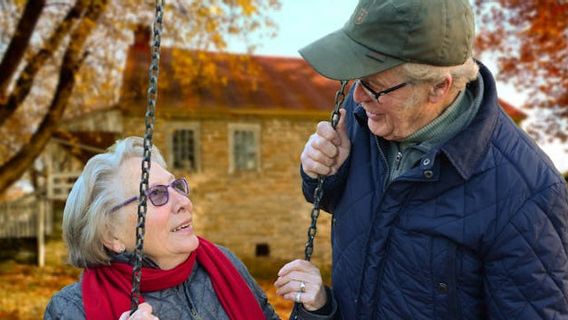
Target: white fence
<point x="28" y="217"/>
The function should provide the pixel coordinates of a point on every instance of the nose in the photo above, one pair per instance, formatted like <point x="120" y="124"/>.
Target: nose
<point x="359" y="94"/>
<point x="181" y="202"/>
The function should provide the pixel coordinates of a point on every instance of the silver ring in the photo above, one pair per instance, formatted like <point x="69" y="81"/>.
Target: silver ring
<point x="298" y="297"/>
<point x="302" y="286"/>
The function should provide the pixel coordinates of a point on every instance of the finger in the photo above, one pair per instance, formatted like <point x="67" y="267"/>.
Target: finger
<point x="145" y="306"/>
<point x="300" y="297"/>
<point x="325" y="146"/>
<point x="124" y="315"/>
<point x="293" y="296"/>
<point x="314" y="162"/>
<point x="298" y="265"/>
<point x="323" y="157"/>
<point x="296" y="286"/>
<point x="341" y="128"/>
<point x="313" y="168"/>
<point x="144" y="312"/>
<point x="292" y="282"/>
<point x="325" y="130"/>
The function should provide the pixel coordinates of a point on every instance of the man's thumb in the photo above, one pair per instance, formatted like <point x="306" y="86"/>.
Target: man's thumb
<point x="341" y="126"/>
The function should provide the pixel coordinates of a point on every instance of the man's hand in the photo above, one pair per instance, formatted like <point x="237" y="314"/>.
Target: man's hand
<point x="327" y="149"/>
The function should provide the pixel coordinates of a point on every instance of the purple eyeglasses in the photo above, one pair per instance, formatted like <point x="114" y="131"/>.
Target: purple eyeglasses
<point x="159" y="194"/>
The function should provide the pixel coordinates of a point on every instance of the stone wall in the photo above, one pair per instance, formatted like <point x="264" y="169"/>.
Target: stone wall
<point x="243" y="210"/>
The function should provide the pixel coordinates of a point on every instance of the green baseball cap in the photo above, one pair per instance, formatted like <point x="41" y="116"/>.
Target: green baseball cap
<point x="382" y="34"/>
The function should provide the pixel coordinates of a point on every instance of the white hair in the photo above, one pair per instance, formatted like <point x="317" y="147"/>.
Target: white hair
<point x="87" y="215"/>
<point x="461" y="74"/>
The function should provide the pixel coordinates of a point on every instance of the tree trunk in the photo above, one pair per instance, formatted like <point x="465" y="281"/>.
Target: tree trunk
<point x="12" y="170"/>
<point x="26" y="79"/>
<point x="19" y="43"/>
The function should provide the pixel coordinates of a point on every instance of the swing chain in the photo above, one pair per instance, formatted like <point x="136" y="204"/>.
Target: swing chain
<point x="318" y="193"/>
<point x="150" y="119"/>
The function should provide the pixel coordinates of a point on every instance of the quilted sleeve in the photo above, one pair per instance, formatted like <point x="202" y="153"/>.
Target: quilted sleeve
<point x="526" y="268"/>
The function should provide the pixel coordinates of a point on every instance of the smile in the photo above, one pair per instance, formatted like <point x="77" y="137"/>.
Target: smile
<point x="373" y="116"/>
<point x="182" y="227"/>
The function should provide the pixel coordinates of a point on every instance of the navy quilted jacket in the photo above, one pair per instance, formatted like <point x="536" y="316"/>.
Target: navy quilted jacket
<point x="478" y="230"/>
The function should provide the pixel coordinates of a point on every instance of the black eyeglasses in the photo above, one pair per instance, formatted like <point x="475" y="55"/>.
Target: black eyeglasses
<point x="159" y="194"/>
<point x="378" y="95"/>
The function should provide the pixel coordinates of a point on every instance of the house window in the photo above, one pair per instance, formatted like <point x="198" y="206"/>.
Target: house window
<point x="244" y="143"/>
<point x="184" y="149"/>
<point x="184" y="146"/>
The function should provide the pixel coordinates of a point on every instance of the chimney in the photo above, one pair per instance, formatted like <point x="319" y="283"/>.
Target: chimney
<point x="142" y="36"/>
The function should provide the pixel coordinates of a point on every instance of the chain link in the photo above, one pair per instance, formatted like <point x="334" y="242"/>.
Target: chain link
<point x="318" y="193"/>
<point x="150" y="119"/>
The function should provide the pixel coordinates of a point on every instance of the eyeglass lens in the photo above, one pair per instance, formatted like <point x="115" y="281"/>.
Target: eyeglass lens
<point x="159" y="195"/>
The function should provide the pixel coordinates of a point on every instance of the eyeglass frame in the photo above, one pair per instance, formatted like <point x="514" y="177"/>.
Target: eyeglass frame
<point x="377" y="95"/>
<point x="130" y="200"/>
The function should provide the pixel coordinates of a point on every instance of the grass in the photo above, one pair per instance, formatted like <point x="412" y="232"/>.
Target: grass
<point x="25" y="289"/>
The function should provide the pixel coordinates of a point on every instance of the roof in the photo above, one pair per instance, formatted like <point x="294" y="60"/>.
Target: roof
<point x="266" y="83"/>
<point x="269" y="83"/>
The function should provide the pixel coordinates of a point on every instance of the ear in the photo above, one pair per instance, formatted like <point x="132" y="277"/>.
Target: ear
<point x="441" y="89"/>
<point x="114" y="244"/>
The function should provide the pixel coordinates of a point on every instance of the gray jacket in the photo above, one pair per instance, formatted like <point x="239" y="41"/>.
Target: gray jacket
<point x="195" y="293"/>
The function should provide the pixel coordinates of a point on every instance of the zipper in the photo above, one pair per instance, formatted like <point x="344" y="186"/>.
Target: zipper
<point x="192" y="309"/>
<point x="384" y="160"/>
<point x="397" y="160"/>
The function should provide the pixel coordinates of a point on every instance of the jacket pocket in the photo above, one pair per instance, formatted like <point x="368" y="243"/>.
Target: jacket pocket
<point x="444" y="279"/>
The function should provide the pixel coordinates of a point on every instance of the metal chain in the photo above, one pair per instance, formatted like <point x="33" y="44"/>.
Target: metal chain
<point x="150" y="119"/>
<point x="318" y="193"/>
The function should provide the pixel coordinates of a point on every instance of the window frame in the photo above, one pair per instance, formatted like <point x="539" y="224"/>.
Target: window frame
<point x="184" y="125"/>
<point x="256" y="130"/>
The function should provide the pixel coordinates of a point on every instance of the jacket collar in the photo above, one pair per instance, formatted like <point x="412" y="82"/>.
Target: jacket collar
<point x="466" y="149"/>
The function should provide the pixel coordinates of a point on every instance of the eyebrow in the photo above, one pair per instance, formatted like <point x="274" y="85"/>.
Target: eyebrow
<point x="171" y="178"/>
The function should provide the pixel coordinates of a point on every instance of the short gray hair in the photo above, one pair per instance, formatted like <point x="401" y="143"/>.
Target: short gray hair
<point x="461" y="74"/>
<point x="86" y="217"/>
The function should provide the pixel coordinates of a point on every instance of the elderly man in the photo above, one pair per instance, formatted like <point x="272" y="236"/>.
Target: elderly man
<point x="442" y="208"/>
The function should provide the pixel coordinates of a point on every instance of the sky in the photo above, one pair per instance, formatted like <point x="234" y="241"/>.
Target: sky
<point x="301" y="22"/>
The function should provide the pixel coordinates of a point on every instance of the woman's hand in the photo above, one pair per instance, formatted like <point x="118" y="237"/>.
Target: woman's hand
<point x="144" y="312"/>
<point x="300" y="281"/>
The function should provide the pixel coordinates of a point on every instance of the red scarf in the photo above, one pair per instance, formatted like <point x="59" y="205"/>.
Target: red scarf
<point x="106" y="289"/>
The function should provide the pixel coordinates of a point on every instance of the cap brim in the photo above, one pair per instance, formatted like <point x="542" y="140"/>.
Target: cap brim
<point x="337" y="56"/>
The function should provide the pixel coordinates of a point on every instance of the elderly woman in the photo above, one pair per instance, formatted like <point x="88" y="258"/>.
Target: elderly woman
<point x="183" y="276"/>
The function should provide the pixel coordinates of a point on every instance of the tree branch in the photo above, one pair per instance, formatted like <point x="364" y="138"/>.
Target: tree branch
<point x="12" y="170"/>
<point x="26" y="79"/>
<point x="19" y="43"/>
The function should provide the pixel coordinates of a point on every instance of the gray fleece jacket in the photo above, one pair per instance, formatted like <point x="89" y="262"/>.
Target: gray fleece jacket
<point x="194" y="299"/>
